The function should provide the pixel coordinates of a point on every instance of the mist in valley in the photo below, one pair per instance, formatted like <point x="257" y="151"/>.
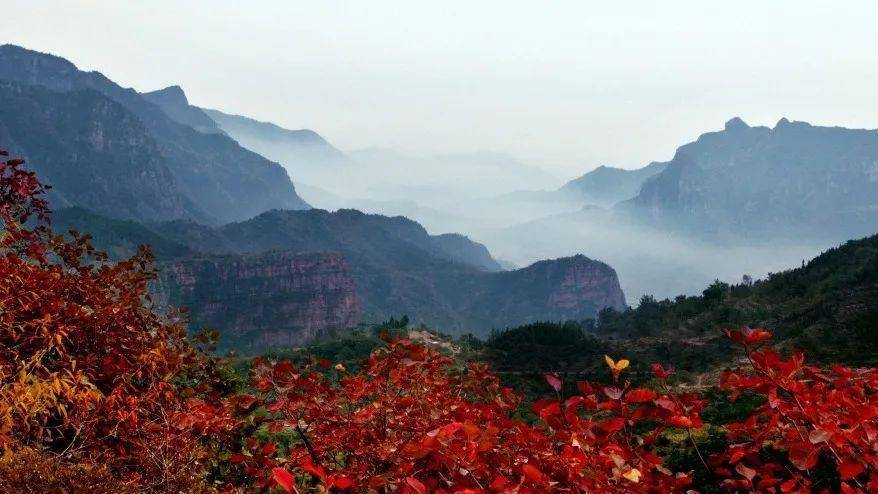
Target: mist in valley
<point x="519" y="214"/>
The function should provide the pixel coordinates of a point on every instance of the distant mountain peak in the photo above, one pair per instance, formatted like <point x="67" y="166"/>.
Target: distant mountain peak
<point x="736" y="123"/>
<point x="606" y="185"/>
<point x="785" y="123"/>
<point x="172" y="94"/>
<point x="795" y="180"/>
<point x="173" y="102"/>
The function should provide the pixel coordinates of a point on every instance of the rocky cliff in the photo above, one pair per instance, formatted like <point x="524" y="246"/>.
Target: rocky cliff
<point x="569" y="288"/>
<point x="173" y="101"/>
<point x="263" y="300"/>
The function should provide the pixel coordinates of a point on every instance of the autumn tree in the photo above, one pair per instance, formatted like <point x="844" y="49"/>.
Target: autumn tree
<point x="87" y="368"/>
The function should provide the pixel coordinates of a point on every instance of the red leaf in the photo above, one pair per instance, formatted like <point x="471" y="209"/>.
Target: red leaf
<point x="666" y="403"/>
<point x="745" y="471"/>
<point x="268" y="449"/>
<point x="244" y="401"/>
<point x="679" y="421"/>
<point x="753" y="336"/>
<point x="803" y="456"/>
<point x="315" y="470"/>
<point x="789" y="485"/>
<point x="283" y="478"/>
<point x="415" y="486"/>
<point x="340" y="482"/>
<point x="584" y="388"/>
<point x="660" y="372"/>
<point x="613" y="392"/>
<point x="849" y="470"/>
<point x="554" y="382"/>
<point x="640" y="395"/>
<point x="819" y="436"/>
<point x="547" y="408"/>
<point x="612" y="425"/>
<point x="532" y="473"/>
<point x="499" y="482"/>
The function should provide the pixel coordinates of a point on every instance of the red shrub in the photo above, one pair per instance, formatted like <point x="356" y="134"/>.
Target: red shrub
<point x="810" y="417"/>
<point x="85" y="365"/>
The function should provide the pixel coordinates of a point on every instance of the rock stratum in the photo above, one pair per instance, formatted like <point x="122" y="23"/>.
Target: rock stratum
<point x="265" y="300"/>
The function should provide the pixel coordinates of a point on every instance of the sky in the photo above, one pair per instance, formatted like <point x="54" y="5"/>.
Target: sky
<point x="564" y="85"/>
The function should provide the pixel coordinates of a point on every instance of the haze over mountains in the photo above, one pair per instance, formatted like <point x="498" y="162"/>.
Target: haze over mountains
<point x="150" y="168"/>
<point x="427" y="236"/>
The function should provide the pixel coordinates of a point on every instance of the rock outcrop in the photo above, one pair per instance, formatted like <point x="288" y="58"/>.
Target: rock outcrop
<point x="569" y="288"/>
<point x="259" y="301"/>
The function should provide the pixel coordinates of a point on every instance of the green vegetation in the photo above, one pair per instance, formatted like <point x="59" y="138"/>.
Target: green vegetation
<point x="829" y="308"/>
<point x="120" y="238"/>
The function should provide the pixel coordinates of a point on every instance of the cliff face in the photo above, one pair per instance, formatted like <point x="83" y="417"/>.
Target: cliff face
<point x="554" y="290"/>
<point x="264" y="300"/>
<point x="583" y="285"/>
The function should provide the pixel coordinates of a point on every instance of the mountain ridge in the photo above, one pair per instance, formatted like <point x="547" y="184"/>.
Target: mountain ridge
<point x="795" y="179"/>
<point x="223" y="179"/>
<point x="92" y="151"/>
<point x="396" y="266"/>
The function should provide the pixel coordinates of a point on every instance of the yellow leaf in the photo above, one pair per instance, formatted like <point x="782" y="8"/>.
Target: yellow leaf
<point x="616" y="366"/>
<point x="633" y="475"/>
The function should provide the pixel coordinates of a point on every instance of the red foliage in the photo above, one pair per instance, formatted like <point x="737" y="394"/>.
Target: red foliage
<point x="411" y="422"/>
<point x="100" y="393"/>
<point x="86" y="367"/>
<point x="811" y="418"/>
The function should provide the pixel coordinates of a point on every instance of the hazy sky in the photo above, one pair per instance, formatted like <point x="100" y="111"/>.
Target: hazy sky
<point x="563" y="85"/>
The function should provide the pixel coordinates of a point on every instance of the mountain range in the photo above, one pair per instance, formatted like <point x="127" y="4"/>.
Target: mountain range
<point x="742" y="183"/>
<point x="741" y="200"/>
<point x="306" y="155"/>
<point x="390" y="267"/>
<point x="217" y="178"/>
<point x="794" y="180"/>
<point x="150" y="167"/>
